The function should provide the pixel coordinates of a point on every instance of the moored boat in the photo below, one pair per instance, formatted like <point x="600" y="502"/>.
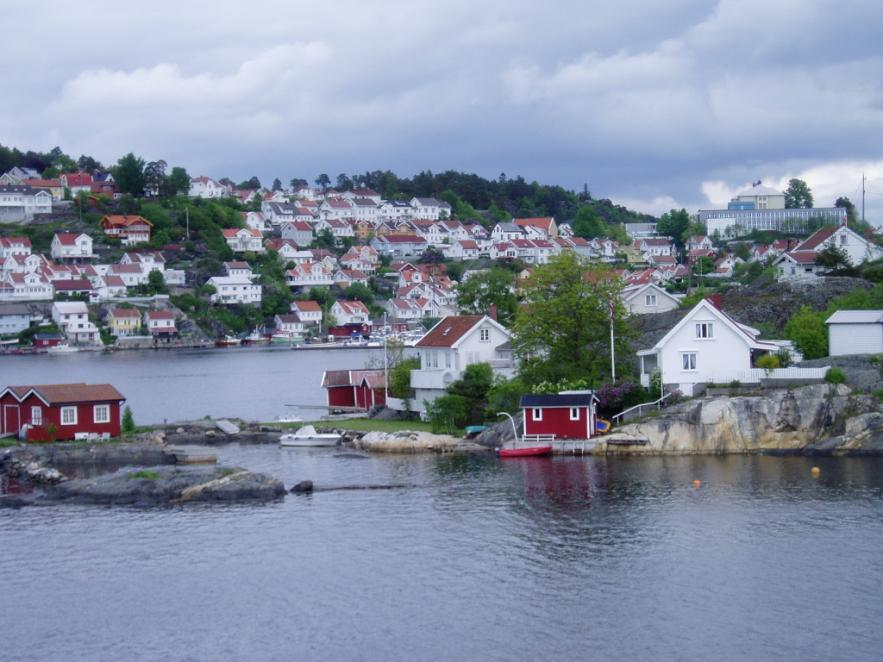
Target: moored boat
<point x="517" y="449"/>
<point x="307" y="437"/>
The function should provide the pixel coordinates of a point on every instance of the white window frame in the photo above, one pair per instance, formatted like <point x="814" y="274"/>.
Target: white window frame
<point x="537" y="414"/>
<point x="68" y="410"/>
<point x="705" y="330"/>
<point x="689" y="361"/>
<point x="574" y="413"/>
<point x="649" y="299"/>
<point x="484" y="335"/>
<point x="36" y="415"/>
<point x="96" y="409"/>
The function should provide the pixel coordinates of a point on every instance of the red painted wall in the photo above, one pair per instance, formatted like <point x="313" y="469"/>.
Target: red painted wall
<point x="341" y="396"/>
<point x="52" y="415"/>
<point x="556" y="420"/>
<point x="364" y="398"/>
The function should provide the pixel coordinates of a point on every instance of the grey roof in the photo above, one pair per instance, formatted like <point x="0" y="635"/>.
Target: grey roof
<point x="758" y="190"/>
<point x="28" y="190"/>
<point x="14" y="309"/>
<point x="558" y="400"/>
<point x="856" y="317"/>
<point x="507" y="226"/>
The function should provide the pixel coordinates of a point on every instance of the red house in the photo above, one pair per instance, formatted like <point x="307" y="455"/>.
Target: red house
<point x="61" y="411"/>
<point x="565" y="415"/>
<point x="355" y="389"/>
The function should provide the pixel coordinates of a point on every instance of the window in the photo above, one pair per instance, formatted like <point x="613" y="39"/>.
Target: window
<point x="68" y="415"/>
<point x="705" y="330"/>
<point x="843" y="239"/>
<point x="485" y="335"/>
<point x="537" y="414"/>
<point x="650" y="300"/>
<point x="574" y="413"/>
<point x="36" y="416"/>
<point x="101" y="414"/>
<point x="689" y="360"/>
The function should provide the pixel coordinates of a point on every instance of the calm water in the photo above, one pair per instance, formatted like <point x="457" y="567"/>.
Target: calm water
<point x="253" y="383"/>
<point x="475" y="559"/>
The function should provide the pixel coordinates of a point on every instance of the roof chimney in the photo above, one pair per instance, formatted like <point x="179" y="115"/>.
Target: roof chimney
<point x="492" y="311"/>
<point x="714" y="300"/>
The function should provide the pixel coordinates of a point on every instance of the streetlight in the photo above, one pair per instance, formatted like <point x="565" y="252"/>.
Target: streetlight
<point x="511" y="420"/>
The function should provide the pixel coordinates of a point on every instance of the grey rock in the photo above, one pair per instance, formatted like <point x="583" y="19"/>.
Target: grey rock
<point x="303" y="487"/>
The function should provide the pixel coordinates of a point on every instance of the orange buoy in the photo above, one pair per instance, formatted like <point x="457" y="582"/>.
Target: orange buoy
<point x="815" y="471"/>
<point x="697" y="483"/>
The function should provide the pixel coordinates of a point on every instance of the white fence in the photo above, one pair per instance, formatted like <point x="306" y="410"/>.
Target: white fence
<point x="756" y="375"/>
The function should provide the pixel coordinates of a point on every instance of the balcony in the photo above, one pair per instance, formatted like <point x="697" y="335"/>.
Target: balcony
<point x="433" y="378"/>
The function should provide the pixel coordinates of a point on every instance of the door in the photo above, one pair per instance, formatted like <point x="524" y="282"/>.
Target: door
<point x="10" y="419"/>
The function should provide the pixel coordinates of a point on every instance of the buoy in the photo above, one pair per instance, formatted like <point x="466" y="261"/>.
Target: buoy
<point x="697" y="483"/>
<point x="815" y="471"/>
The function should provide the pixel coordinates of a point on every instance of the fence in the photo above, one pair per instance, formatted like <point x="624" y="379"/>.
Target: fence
<point x="757" y="375"/>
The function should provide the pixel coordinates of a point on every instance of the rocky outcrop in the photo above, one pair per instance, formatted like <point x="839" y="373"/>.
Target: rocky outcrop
<point x="413" y="442"/>
<point x="818" y="418"/>
<point x="164" y="485"/>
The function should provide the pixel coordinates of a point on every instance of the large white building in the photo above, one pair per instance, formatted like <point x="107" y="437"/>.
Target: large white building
<point x="234" y="289"/>
<point x="855" y="332"/>
<point x="22" y="203"/>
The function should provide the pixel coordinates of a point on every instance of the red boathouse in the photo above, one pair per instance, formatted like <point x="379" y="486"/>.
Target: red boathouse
<point x="61" y="411"/>
<point x="354" y="389"/>
<point x="565" y="415"/>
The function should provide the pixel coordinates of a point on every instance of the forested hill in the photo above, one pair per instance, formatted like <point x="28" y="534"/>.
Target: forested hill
<point x="502" y="198"/>
<point x="471" y="196"/>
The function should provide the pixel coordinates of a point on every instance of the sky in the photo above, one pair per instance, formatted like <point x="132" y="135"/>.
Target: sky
<point x="656" y="104"/>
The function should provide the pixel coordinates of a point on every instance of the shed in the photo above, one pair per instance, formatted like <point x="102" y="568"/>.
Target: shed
<point x="855" y="332"/>
<point x="567" y="415"/>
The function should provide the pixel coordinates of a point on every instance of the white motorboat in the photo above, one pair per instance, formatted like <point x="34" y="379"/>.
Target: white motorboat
<point x="307" y="436"/>
<point x="62" y="348"/>
<point x="289" y="418"/>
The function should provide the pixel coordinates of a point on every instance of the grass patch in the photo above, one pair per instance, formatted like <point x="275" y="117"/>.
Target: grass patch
<point x="144" y="474"/>
<point x="228" y="471"/>
<point x="7" y="443"/>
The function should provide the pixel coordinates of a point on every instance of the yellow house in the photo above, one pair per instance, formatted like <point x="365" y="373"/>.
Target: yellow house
<point x="124" y="321"/>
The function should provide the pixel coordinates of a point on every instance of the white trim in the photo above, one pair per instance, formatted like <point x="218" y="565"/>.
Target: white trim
<point x="68" y="408"/>
<point x="95" y="409"/>
<point x="536" y="414"/>
<point x="572" y="411"/>
<point x="38" y="418"/>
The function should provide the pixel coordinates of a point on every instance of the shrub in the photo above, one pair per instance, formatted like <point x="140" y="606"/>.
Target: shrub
<point x="143" y="474"/>
<point x="446" y="413"/>
<point x="735" y="384"/>
<point x="808" y="331"/>
<point x="835" y="376"/>
<point x="505" y="395"/>
<point x="128" y="420"/>
<point x="768" y="362"/>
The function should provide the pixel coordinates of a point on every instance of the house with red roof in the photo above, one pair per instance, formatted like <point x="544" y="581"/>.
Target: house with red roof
<point x="161" y="324"/>
<point x="76" y="182"/>
<point x="310" y="312"/>
<point x="399" y="245"/>
<point x="538" y="228"/>
<point x="300" y="232"/>
<point x="241" y="240"/>
<point x="800" y="262"/>
<point x="206" y="187"/>
<point x="123" y="321"/>
<point x="129" y="229"/>
<point x="71" y="247"/>
<point x="354" y="390"/>
<point x="464" y="249"/>
<point x="57" y="412"/>
<point x="350" y="312"/>
<point x="456" y="342"/>
<point x="15" y="246"/>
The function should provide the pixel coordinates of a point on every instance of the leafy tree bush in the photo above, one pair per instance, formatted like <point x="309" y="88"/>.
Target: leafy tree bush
<point x="835" y="376"/>
<point x="128" y="420"/>
<point x="447" y="413"/>
<point x="400" y="378"/>
<point x="808" y="331"/>
<point x="768" y="362"/>
<point x="505" y="395"/>
<point x="473" y="387"/>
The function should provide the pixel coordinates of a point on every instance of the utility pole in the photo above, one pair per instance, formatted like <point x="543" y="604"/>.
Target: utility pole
<point x="385" y="360"/>
<point x="863" y="197"/>
<point x="187" y="216"/>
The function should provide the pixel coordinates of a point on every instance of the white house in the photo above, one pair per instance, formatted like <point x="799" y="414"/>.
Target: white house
<point x="72" y="317"/>
<point x="655" y="246"/>
<point x="507" y="231"/>
<point x="71" y="246"/>
<point x="234" y="289"/>
<point x="447" y="348"/>
<point x="350" y="312"/>
<point x="30" y="286"/>
<point x="15" y="246"/>
<point x="648" y="298"/>
<point x="310" y="274"/>
<point x="255" y="220"/>
<point x="707" y="345"/>
<point x="855" y="332"/>
<point x="160" y="323"/>
<point x="799" y="263"/>
<point x="206" y="187"/>
<point x="22" y="203"/>
<point x="131" y="274"/>
<point x="238" y="268"/>
<point x="309" y="312"/>
<point x="430" y="209"/>
<point x="300" y="232"/>
<point x="289" y="324"/>
<point x="14" y="318"/>
<point x="241" y="240"/>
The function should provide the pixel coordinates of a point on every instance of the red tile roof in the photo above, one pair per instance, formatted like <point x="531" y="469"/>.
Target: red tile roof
<point x="160" y="315"/>
<point x="543" y="223"/>
<point x="120" y="313"/>
<point x="449" y="331"/>
<point x="67" y="238"/>
<point x="123" y="221"/>
<point x="307" y="306"/>
<point x="817" y="238"/>
<point x="55" y="394"/>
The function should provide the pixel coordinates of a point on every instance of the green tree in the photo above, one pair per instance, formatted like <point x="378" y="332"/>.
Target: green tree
<point x="177" y="183"/>
<point x="798" y="195"/>
<point x="129" y="175"/>
<point x="808" y="331"/>
<point x="400" y="378"/>
<point x="88" y="164"/>
<point x="360" y="292"/>
<point x="588" y="224"/>
<point x="833" y="257"/>
<point x="845" y="203"/>
<point x="497" y="286"/>
<point x="128" y="421"/>
<point x="473" y="386"/>
<point x="323" y="181"/>
<point x="156" y="282"/>
<point x="154" y="177"/>
<point x="277" y="184"/>
<point x="562" y="329"/>
<point x="675" y="224"/>
<point x="250" y="183"/>
<point x="447" y="413"/>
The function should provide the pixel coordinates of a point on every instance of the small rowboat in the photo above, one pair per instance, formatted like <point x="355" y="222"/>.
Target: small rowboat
<point x="525" y="451"/>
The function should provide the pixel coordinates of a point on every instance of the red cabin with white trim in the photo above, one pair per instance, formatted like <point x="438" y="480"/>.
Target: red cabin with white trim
<point x="563" y="415"/>
<point x="355" y="389"/>
<point x="61" y="411"/>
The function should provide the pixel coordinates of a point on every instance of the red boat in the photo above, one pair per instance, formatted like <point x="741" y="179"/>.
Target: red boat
<point x="525" y="451"/>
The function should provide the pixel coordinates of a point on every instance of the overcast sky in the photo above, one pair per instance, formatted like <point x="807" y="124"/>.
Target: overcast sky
<point x="653" y="103"/>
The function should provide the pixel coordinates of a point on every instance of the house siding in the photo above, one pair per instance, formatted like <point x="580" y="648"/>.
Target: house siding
<point x="556" y="420"/>
<point x="51" y="415"/>
<point x="855" y="339"/>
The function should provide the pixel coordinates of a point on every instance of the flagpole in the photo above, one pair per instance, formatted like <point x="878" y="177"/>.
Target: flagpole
<point x="612" y="350"/>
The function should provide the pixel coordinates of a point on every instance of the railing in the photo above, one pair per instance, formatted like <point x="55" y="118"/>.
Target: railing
<point x="618" y="418"/>
<point x="537" y="438"/>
